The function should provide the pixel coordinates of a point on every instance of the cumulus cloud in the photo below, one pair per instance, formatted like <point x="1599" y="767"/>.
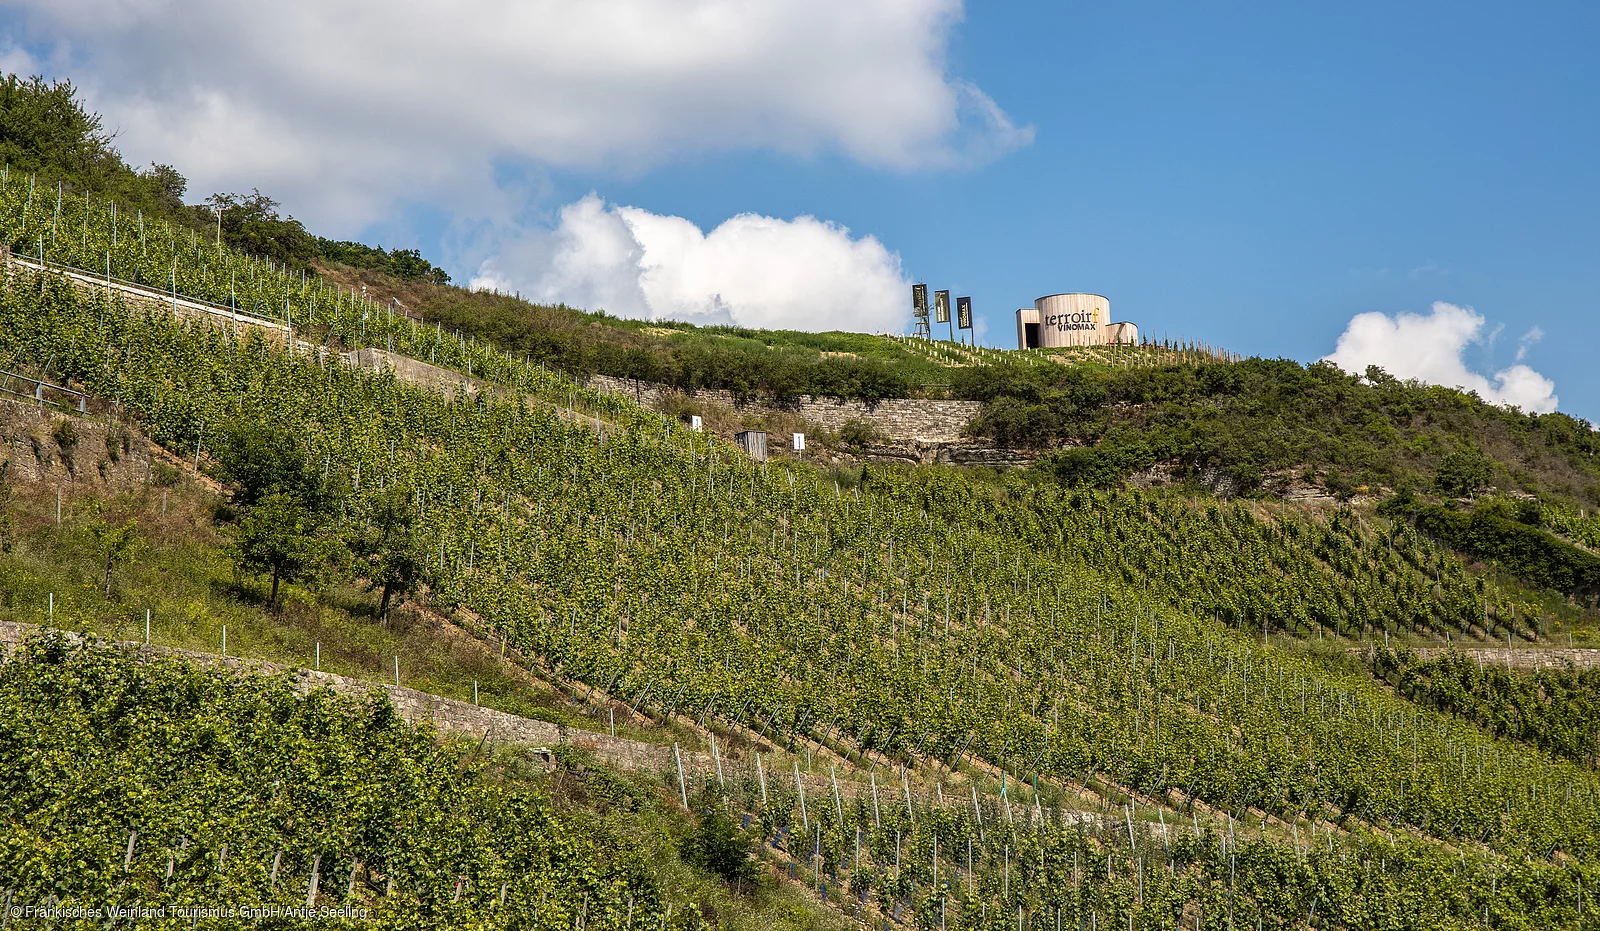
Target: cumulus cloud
<point x="1429" y="348"/>
<point x="342" y="107"/>
<point x="754" y="271"/>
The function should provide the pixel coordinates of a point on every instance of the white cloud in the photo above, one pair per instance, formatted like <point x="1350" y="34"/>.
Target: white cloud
<point x="342" y="107"/>
<point x="1429" y="348"/>
<point x="1528" y="341"/>
<point x="751" y="270"/>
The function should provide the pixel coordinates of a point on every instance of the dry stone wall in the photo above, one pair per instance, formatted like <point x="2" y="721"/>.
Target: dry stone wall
<point x="448" y="715"/>
<point x="820" y="776"/>
<point x="413" y="371"/>
<point x="904" y="419"/>
<point x="1524" y="658"/>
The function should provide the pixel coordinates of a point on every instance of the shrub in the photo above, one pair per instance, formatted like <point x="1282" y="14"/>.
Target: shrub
<point x="1463" y="473"/>
<point x="163" y="475"/>
<point x="856" y="433"/>
<point x="118" y="441"/>
<point x="65" y="435"/>
<point x="1527" y="551"/>
<point x="8" y="522"/>
<point x="716" y="845"/>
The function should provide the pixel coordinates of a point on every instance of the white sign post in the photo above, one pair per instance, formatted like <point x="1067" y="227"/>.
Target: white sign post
<point x="799" y="442"/>
<point x="694" y="422"/>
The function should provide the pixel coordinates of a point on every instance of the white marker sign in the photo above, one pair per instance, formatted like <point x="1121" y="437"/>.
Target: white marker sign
<point x="799" y="442"/>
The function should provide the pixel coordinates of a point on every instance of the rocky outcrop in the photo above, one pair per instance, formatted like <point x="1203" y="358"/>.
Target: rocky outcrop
<point x="43" y="445"/>
<point x="913" y="419"/>
<point x="963" y="453"/>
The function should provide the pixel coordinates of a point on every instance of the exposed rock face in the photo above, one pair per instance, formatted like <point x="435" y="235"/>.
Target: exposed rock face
<point x="41" y="445"/>
<point x="915" y="431"/>
<point x="896" y="418"/>
<point x="965" y="453"/>
<point x="900" y="418"/>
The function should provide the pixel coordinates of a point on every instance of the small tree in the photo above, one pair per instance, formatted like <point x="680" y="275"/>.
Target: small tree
<point x="1463" y="472"/>
<point x="388" y="549"/>
<point x="112" y="545"/>
<point x="716" y="844"/>
<point x="251" y="223"/>
<point x="259" y="459"/>
<point x="277" y="537"/>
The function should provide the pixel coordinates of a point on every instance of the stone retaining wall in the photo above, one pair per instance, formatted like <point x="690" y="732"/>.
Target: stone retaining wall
<point x="448" y="715"/>
<point x="1529" y="658"/>
<point x="461" y="718"/>
<point x="103" y="453"/>
<point x="912" y="419"/>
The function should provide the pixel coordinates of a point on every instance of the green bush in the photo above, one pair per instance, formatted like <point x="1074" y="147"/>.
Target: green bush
<point x="65" y="434"/>
<point x="1102" y="466"/>
<point x="856" y="433"/>
<point x="1463" y="473"/>
<point x="716" y="844"/>
<point x="1526" y="551"/>
<point x="163" y="475"/>
<point x="405" y="264"/>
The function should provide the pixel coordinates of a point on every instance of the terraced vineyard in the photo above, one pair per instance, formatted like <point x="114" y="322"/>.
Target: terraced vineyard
<point x="926" y="618"/>
<point x="216" y="790"/>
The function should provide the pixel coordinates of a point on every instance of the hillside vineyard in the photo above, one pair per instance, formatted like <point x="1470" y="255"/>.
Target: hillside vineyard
<point x="222" y="789"/>
<point x="1289" y="574"/>
<point x="1072" y="638"/>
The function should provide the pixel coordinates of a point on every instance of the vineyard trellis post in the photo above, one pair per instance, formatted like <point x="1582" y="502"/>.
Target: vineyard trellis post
<point x="683" y="787"/>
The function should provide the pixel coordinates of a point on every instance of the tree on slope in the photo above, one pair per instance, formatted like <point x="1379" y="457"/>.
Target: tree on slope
<point x="388" y="549"/>
<point x="114" y="544"/>
<point x="277" y="537"/>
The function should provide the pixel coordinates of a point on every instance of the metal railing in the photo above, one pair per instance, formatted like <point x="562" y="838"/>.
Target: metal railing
<point x="149" y="293"/>
<point x="39" y="388"/>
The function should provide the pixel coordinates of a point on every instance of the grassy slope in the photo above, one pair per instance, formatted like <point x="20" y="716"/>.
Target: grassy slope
<point x="1266" y="422"/>
<point x="235" y="772"/>
<point x="744" y="361"/>
<point x="1247" y="426"/>
<point x="180" y="572"/>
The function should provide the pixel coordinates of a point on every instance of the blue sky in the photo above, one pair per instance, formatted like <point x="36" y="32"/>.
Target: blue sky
<point x="1249" y="175"/>
<point x="1252" y="180"/>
